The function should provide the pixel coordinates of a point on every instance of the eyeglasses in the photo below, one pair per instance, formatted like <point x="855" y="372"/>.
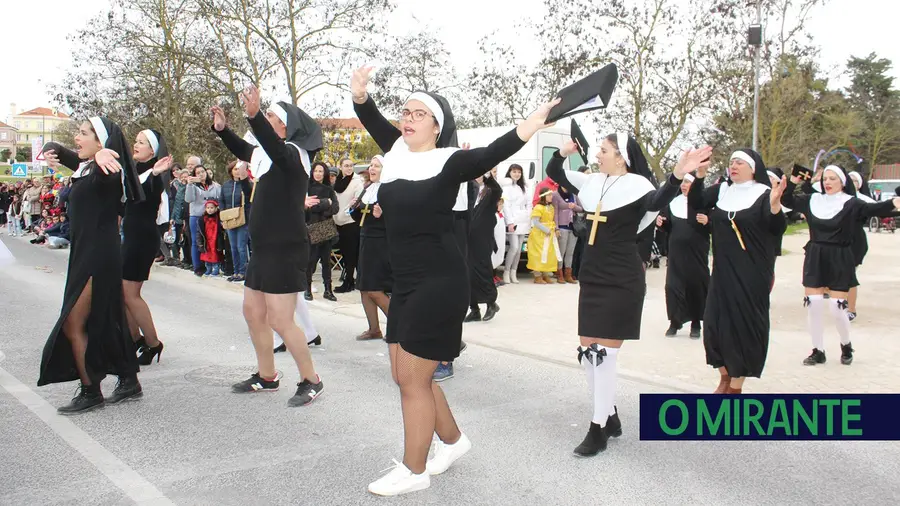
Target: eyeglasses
<point x="417" y="115"/>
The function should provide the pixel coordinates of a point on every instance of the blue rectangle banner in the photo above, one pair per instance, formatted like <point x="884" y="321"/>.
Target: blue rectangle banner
<point x="770" y="417"/>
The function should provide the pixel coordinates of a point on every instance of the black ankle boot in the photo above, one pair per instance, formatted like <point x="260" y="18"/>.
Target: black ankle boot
<point x="816" y="357"/>
<point x="673" y="329"/>
<point x="348" y="286"/>
<point x="613" y="424"/>
<point x="88" y="397"/>
<point x="594" y="442"/>
<point x="492" y="309"/>
<point x="846" y="354"/>
<point x="147" y="353"/>
<point x="695" y="330"/>
<point x="473" y="316"/>
<point x="329" y="295"/>
<point x="126" y="388"/>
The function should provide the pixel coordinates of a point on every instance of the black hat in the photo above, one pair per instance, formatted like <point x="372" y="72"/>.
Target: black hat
<point x="580" y="140"/>
<point x="802" y="172"/>
<point x="592" y="92"/>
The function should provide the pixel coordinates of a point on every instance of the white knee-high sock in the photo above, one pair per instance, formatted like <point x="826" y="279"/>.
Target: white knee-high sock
<point x="815" y="312"/>
<point x="604" y="385"/>
<point x="305" y="320"/>
<point x="588" y="371"/>
<point x="841" y="319"/>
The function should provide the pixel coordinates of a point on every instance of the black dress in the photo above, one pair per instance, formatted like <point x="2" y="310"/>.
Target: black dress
<point x="612" y="278"/>
<point x="277" y="225"/>
<point x="374" y="267"/>
<point x="832" y="252"/>
<point x="141" y="235"/>
<point x="482" y="244"/>
<point x="736" y="331"/>
<point x="94" y="256"/>
<point x="687" y="274"/>
<point x="430" y="294"/>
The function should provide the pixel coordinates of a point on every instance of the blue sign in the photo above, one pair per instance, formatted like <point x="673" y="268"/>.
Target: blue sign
<point x="50" y="171"/>
<point x="19" y="170"/>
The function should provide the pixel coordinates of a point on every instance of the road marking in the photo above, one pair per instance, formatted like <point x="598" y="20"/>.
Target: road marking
<point x="120" y="474"/>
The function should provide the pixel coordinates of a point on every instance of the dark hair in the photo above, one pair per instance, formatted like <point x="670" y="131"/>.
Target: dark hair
<point x="312" y="173"/>
<point x="583" y="169"/>
<point x="209" y="178"/>
<point x="521" y="181"/>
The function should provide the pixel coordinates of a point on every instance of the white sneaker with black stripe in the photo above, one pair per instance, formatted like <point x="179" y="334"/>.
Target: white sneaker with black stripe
<point x="307" y="392"/>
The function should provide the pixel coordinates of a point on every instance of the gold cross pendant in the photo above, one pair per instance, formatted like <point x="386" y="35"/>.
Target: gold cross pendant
<point x="596" y="218"/>
<point x="738" y="234"/>
<point x="364" y="212"/>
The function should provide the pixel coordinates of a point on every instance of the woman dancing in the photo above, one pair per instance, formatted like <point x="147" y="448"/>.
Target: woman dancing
<point x="420" y="182"/>
<point x="621" y="201"/>
<point x="91" y="337"/>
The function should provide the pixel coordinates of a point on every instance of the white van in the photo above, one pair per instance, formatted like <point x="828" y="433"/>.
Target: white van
<point x="884" y="187"/>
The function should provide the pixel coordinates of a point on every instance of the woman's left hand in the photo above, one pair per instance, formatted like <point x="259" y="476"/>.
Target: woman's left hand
<point x="775" y="196"/>
<point x="702" y="219"/>
<point x="162" y="165"/>
<point x="536" y="121"/>
<point x="250" y="98"/>
<point x="107" y="160"/>
<point x="691" y="160"/>
<point x="376" y="211"/>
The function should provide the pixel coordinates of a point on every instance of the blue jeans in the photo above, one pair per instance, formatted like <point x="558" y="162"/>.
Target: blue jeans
<point x="195" y="253"/>
<point x="239" y="239"/>
<point x="212" y="269"/>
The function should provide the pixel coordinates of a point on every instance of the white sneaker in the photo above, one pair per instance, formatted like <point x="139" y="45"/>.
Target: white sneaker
<point x="400" y="481"/>
<point x="445" y="455"/>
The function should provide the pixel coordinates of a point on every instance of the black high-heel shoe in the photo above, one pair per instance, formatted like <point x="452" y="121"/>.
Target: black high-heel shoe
<point x="147" y="354"/>
<point x="140" y="343"/>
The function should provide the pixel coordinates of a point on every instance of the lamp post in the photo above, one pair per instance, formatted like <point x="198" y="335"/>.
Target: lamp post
<point x="755" y="39"/>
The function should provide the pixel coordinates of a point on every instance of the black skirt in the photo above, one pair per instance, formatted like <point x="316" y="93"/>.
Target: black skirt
<point x="829" y="266"/>
<point x="278" y="269"/>
<point x="374" y="265"/>
<point x="139" y="247"/>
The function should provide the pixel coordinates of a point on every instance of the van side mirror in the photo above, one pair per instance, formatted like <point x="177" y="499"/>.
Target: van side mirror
<point x="531" y="171"/>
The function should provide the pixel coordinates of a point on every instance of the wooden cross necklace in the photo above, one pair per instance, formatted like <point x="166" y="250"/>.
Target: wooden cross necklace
<point x="596" y="218"/>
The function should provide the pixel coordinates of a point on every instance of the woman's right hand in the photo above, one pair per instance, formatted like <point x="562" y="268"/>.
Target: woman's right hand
<point x="52" y="159"/>
<point x="107" y="160"/>
<point x="218" y="118"/>
<point x="659" y="221"/>
<point x="376" y="211"/>
<point x="358" y="84"/>
<point x="568" y="149"/>
<point x="510" y="228"/>
<point x="311" y="201"/>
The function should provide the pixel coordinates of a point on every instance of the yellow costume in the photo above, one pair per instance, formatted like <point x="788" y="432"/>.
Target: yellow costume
<point x="542" y="247"/>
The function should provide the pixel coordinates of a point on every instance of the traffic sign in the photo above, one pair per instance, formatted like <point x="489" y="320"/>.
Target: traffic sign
<point x="36" y="145"/>
<point x="19" y="170"/>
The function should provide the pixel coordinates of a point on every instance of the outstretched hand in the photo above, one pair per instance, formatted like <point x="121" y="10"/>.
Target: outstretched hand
<point x="218" y="115"/>
<point x="775" y="195"/>
<point x="691" y="160"/>
<point x="162" y="165"/>
<point x="537" y="120"/>
<point x="52" y="159"/>
<point x="568" y="149"/>
<point x="358" y="84"/>
<point x="108" y="162"/>
<point x="250" y="97"/>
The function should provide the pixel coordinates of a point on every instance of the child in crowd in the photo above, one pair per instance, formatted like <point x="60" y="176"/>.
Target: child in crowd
<point x="14" y="223"/>
<point x="543" y="244"/>
<point x="210" y="240"/>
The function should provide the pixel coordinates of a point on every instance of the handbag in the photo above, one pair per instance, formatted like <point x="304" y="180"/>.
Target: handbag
<point x="322" y="231"/>
<point x="234" y="217"/>
<point x="580" y="225"/>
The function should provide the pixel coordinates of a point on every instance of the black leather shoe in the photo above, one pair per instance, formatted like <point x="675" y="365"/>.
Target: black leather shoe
<point x="147" y="353"/>
<point x="473" y="316"/>
<point x="329" y="295"/>
<point x="491" y="312"/>
<point x="307" y="295"/>
<point x="87" y="398"/>
<point x="594" y="442"/>
<point x="348" y="286"/>
<point x="126" y="388"/>
<point x="613" y="424"/>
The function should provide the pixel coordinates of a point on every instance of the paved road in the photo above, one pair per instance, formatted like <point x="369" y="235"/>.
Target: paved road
<point x="190" y="441"/>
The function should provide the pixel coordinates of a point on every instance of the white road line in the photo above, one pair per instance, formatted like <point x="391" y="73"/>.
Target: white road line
<point x="120" y="474"/>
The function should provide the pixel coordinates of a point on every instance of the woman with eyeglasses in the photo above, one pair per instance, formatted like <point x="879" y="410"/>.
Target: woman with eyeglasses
<point x="420" y="182"/>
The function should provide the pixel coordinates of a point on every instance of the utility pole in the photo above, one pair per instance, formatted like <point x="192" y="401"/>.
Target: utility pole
<point x="755" y="39"/>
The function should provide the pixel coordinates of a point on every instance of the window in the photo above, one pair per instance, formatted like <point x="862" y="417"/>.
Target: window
<point x="3" y="136"/>
<point x="546" y="156"/>
<point x="18" y="124"/>
<point x="27" y="137"/>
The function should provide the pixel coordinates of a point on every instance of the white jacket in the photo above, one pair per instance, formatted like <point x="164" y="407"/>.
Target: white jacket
<point x="354" y="189"/>
<point x="516" y="206"/>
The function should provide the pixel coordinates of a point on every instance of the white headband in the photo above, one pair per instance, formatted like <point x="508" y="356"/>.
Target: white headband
<point x="857" y="176"/>
<point x="279" y="111"/>
<point x="740" y="155"/>
<point x="100" y="130"/>
<point x="773" y="175"/>
<point x="622" y="144"/>
<point x="837" y="170"/>
<point x="151" y="138"/>
<point x="431" y="104"/>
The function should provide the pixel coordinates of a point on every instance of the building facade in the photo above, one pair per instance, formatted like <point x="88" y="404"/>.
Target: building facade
<point x="35" y="123"/>
<point x="7" y="140"/>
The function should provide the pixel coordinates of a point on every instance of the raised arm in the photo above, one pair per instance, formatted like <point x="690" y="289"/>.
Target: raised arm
<point x="568" y="179"/>
<point x="283" y="157"/>
<point x="883" y="209"/>
<point x="67" y="157"/>
<point x="657" y="200"/>
<point x="466" y="165"/>
<point x="791" y="200"/>
<point x="382" y="131"/>
<point x="240" y="148"/>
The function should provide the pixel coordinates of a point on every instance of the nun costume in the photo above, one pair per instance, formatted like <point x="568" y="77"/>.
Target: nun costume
<point x="418" y="192"/>
<point x="95" y="265"/>
<point x="612" y="278"/>
<point x="736" y="330"/>
<point x="830" y="263"/>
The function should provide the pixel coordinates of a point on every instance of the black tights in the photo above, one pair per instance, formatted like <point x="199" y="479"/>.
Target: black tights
<point x="425" y="408"/>
<point x="75" y="329"/>
<point x="320" y="253"/>
<point x="372" y="302"/>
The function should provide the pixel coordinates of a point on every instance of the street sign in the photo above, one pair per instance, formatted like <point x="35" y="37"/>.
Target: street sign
<point x="36" y="145"/>
<point x="19" y="170"/>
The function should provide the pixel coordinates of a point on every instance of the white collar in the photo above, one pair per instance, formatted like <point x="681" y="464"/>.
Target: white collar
<point x="865" y="198"/>
<point x="825" y="207"/>
<point x="679" y="207"/>
<point x="620" y="191"/>
<point x="371" y="193"/>
<point x="401" y="163"/>
<point x="143" y="177"/>
<point x="737" y="197"/>
<point x="260" y="163"/>
<point x="80" y="172"/>
<point x="462" y="198"/>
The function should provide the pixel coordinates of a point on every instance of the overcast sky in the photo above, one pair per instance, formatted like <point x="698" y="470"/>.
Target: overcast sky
<point x="841" y="28"/>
